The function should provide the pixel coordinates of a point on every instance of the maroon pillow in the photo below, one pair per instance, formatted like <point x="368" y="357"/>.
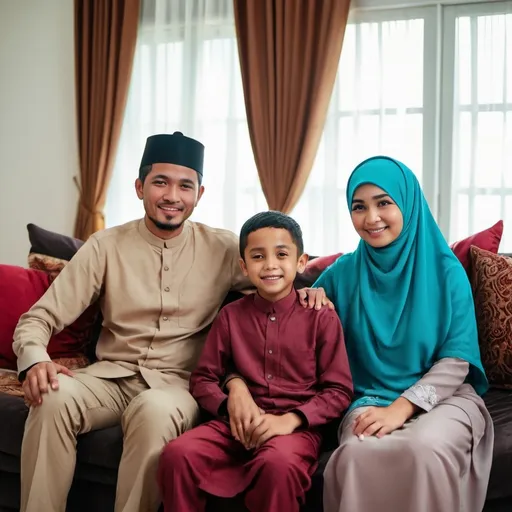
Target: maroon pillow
<point x="489" y="240"/>
<point x="20" y="289"/>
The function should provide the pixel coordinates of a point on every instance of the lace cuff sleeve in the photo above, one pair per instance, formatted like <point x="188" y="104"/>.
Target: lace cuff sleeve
<point x="439" y="383"/>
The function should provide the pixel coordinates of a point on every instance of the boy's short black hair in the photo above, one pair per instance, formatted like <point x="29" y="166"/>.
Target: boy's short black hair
<point x="271" y="219"/>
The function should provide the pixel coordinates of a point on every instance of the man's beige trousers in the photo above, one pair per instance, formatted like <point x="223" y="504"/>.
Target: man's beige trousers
<point x="149" y="418"/>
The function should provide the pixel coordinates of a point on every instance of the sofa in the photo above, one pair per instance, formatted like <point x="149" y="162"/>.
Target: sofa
<point x="99" y="452"/>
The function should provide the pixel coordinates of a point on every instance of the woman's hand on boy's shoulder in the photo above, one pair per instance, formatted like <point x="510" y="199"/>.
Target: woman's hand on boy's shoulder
<point x="314" y="298"/>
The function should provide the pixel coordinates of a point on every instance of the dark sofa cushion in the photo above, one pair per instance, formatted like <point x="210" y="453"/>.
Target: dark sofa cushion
<point x="101" y="448"/>
<point x="499" y="404"/>
<point x="13" y="414"/>
<point x="99" y="452"/>
<point x="52" y="244"/>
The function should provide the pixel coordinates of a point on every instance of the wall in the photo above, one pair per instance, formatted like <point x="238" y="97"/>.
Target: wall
<point x="38" y="147"/>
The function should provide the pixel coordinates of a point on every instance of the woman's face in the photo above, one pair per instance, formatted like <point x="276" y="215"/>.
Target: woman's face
<point x="376" y="217"/>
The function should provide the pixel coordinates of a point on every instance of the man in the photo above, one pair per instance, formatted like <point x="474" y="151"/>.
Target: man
<point x="160" y="282"/>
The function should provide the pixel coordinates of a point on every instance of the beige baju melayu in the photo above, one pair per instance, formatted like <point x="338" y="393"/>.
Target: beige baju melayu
<point x="158" y="299"/>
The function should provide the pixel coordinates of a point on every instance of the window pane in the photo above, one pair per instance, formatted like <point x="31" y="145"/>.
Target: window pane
<point x="506" y="240"/>
<point x="487" y="211"/>
<point x="508" y="66"/>
<point x="402" y="56"/>
<point x="347" y="154"/>
<point x="489" y="149"/>
<point x="317" y="175"/>
<point x="507" y="163"/>
<point x="462" y="149"/>
<point x="348" y="235"/>
<point x="402" y="138"/>
<point x="367" y="137"/>
<point x="483" y="119"/>
<point x="347" y="85"/>
<point x="370" y="65"/>
<point x="463" y="49"/>
<point x="460" y="218"/>
<point x="213" y="80"/>
<point x="312" y="232"/>
<point x="169" y="89"/>
<point x="249" y="198"/>
<point x="214" y="137"/>
<point x="491" y="53"/>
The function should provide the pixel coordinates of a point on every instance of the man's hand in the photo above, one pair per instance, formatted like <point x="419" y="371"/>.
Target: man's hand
<point x="314" y="297"/>
<point x="242" y="409"/>
<point x="379" y="421"/>
<point x="267" y="426"/>
<point x="39" y="377"/>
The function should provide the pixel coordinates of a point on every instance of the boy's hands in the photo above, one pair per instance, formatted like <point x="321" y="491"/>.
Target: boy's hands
<point x="267" y="426"/>
<point x="242" y="409"/>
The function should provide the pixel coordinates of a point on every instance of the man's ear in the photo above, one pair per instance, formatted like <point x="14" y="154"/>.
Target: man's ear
<point x="200" y="194"/>
<point x="139" y="188"/>
<point x="301" y="264"/>
<point x="243" y="266"/>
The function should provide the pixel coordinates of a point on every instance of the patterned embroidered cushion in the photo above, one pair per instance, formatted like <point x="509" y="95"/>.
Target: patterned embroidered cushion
<point x="50" y="251"/>
<point x="10" y="385"/>
<point x="491" y="280"/>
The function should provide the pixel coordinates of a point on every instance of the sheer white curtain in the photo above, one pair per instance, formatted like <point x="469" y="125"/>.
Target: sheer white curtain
<point x="187" y="78"/>
<point x="377" y="108"/>
<point x="482" y="119"/>
<point x="451" y="124"/>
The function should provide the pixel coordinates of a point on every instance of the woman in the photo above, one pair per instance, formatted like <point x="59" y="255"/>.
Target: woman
<point x="417" y="437"/>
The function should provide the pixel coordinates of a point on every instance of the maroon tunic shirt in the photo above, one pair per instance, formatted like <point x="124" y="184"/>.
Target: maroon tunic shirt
<point x="291" y="358"/>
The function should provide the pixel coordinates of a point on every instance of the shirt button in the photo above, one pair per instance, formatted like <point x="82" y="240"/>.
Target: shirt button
<point x="272" y="318"/>
<point x="166" y="288"/>
<point x="270" y="351"/>
<point x="269" y="376"/>
<point x="165" y="319"/>
<point x="166" y="268"/>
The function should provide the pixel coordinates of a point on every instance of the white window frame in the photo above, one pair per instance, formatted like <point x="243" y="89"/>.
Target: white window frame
<point x="447" y="192"/>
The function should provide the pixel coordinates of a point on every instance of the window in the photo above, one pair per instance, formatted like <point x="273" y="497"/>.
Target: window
<point x="186" y="77"/>
<point x="377" y="107"/>
<point x="430" y="86"/>
<point x="478" y="78"/>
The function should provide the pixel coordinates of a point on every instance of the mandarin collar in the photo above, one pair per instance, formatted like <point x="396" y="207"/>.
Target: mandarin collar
<point x="281" y="306"/>
<point x="160" y="242"/>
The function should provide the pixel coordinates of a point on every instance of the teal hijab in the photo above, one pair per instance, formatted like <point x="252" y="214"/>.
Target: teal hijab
<point x="404" y="306"/>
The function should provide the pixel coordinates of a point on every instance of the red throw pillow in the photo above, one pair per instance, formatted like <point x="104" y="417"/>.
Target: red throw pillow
<point x="20" y="289"/>
<point x="489" y="240"/>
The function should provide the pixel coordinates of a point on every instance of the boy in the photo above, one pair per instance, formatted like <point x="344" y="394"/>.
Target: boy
<point x="294" y="364"/>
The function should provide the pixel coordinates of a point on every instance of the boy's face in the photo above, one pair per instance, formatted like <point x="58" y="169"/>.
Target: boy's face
<point x="271" y="262"/>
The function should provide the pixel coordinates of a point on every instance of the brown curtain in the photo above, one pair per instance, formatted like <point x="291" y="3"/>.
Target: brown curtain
<point x="105" y="37"/>
<point x="289" y="54"/>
